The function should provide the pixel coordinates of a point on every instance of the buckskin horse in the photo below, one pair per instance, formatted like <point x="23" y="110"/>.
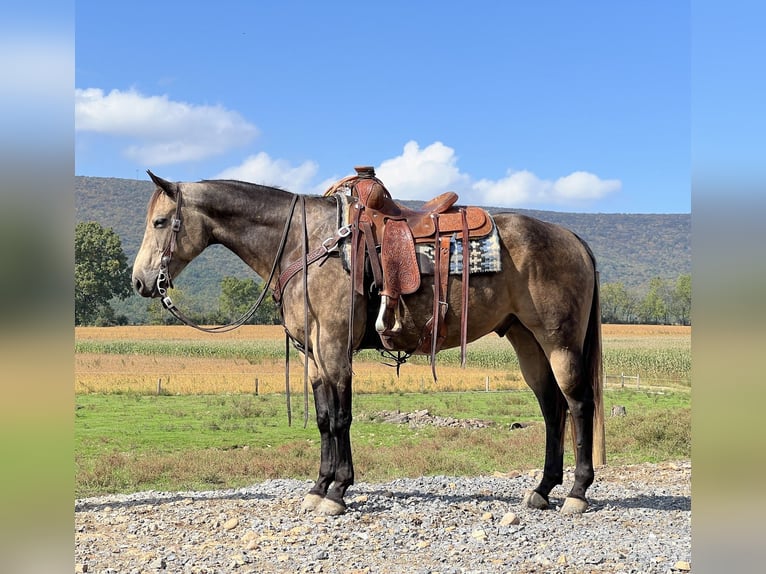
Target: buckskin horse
<point x="544" y="299"/>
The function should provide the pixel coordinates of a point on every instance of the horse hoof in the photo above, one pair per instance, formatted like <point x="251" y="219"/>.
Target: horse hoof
<point x="330" y="508"/>
<point x="574" y="506"/>
<point x="534" y="499"/>
<point x="311" y="502"/>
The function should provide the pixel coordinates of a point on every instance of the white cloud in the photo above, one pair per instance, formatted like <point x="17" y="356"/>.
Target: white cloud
<point x="261" y="168"/>
<point x="163" y="131"/>
<point x="584" y="185"/>
<point x="422" y="174"/>
<point x="525" y="189"/>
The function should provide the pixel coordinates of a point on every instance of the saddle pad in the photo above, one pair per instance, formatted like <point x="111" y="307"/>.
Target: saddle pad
<point x="483" y="255"/>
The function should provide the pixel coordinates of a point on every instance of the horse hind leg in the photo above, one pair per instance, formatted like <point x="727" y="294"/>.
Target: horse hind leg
<point x="568" y="367"/>
<point x="537" y="373"/>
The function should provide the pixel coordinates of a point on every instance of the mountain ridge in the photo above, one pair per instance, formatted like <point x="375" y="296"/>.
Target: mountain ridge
<point x="629" y="248"/>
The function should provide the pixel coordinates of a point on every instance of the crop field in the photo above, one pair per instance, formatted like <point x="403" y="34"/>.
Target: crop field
<point x="205" y="427"/>
<point x="180" y="360"/>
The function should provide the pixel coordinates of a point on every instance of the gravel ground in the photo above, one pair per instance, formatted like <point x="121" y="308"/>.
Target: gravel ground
<point x="639" y="521"/>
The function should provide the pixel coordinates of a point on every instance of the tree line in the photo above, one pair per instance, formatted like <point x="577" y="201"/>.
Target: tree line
<point x="103" y="275"/>
<point x="665" y="302"/>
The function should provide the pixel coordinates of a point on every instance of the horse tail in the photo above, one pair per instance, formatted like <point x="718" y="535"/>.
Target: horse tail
<point x="594" y="366"/>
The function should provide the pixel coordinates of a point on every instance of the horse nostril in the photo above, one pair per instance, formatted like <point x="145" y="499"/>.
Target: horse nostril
<point x="138" y="285"/>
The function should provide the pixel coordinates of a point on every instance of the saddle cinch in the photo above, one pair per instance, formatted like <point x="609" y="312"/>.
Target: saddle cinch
<point x="386" y="233"/>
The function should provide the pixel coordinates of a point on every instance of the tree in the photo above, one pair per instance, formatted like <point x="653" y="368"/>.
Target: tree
<point x="101" y="273"/>
<point x="653" y="309"/>
<point x="617" y="305"/>
<point x="238" y="295"/>
<point x="681" y="299"/>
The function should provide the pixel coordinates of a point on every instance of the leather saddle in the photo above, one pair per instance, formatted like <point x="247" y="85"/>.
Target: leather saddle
<point x="385" y="234"/>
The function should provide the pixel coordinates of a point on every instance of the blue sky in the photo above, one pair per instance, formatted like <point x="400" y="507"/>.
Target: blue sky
<point x="565" y="106"/>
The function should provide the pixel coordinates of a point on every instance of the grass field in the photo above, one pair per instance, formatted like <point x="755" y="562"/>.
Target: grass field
<point x="133" y="359"/>
<point x="207" y="428"/>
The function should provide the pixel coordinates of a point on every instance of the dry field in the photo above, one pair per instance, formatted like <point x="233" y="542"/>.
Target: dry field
<point x="491" y="363"/>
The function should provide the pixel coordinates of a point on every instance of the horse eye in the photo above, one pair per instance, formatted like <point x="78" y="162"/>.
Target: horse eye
<point x="160" y="222"/>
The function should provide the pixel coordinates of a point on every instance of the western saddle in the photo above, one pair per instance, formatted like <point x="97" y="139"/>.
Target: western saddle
<point x="385" y="234"/>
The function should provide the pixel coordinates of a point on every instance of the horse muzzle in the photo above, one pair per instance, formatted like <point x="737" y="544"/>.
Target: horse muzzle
<point x="145" y="288"/>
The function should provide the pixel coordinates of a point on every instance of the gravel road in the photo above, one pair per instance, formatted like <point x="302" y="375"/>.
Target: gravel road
<point x="639" y="521"/>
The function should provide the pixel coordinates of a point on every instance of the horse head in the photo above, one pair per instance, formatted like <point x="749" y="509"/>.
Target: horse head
<point x="171" y="239"/>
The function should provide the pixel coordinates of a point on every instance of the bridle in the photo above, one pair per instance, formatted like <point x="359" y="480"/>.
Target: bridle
<point x="164" y="280"/>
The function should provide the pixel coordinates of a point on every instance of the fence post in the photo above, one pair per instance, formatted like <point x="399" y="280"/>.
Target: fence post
<point x="486" y="384"/>
<point x="638" y="381"/>
<point x="159" y="387"/>
<point x="622" y="380"/>
<point x="256" y="386"/>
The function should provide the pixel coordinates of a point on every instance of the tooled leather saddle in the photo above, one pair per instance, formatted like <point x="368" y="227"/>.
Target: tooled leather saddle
<point x="385" y="234"/>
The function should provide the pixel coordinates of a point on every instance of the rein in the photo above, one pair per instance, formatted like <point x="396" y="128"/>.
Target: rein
<point x="164" y="280"/>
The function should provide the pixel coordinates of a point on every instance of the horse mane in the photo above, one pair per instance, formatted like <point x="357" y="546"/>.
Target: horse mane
<point x="247" y="185"/>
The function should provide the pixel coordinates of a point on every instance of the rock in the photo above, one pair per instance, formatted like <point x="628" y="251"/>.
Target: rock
<point x="509" y="518"/>
<point x="487" y="516"/>
<point x="619" y="411"/>
<point x="419" y="525"/>
<point x="479" y="534"/>
<point x="231" y="524"/>
<point x="80" y="568"/>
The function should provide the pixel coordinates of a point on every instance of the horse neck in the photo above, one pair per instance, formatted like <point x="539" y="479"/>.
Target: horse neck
<point x="247" y="219"/>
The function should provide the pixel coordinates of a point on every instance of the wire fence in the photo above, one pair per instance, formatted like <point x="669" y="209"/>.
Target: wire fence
<point x="273" y="381"/>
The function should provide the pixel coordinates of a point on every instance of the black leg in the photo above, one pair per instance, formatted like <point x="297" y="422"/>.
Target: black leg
<point x="341" y="438"/>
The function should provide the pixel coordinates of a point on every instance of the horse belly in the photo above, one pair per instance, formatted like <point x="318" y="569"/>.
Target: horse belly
<point x="488" y="307"/>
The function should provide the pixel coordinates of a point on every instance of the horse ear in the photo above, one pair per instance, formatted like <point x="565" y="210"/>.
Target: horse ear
<point x="167" y="186"/>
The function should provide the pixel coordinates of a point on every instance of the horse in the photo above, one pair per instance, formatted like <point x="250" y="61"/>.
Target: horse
<point x="544" y="300"/>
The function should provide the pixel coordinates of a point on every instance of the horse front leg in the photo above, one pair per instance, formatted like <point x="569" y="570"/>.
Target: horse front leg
<point x="336" y="469"/>
<point x="327" y="461"/>
<point x="340" y="436"/>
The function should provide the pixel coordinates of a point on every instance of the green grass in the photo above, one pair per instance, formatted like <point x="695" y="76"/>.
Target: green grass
<point x="132" y="442"/>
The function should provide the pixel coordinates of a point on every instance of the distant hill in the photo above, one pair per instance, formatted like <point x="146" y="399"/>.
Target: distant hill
<point x="629" y="248"/>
